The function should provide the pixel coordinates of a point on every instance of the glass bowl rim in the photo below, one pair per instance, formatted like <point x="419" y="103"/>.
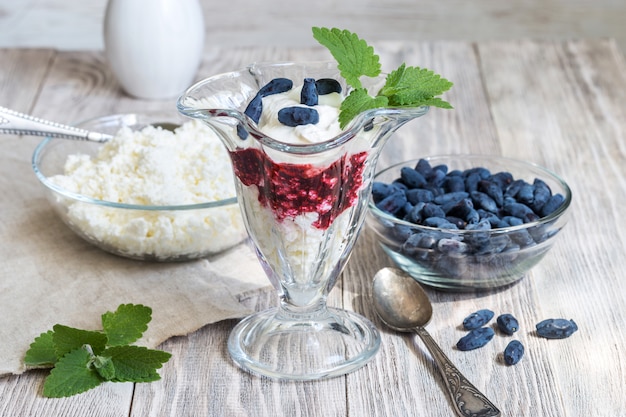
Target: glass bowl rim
<point x="501" y="230"/>
<point x="36" y="161"/>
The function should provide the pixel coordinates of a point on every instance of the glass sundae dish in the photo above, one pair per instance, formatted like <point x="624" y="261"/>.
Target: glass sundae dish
<point x="303" y="183"/>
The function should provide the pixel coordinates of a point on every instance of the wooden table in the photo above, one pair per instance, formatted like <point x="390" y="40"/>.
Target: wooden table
<point x="560" y="105"/>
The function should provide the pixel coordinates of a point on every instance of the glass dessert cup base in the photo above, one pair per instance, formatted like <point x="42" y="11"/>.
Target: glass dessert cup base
<point x="275" y="345"/>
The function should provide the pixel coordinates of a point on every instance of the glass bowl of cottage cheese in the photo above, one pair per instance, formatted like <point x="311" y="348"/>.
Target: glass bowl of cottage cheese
<point x="155" y="192"/>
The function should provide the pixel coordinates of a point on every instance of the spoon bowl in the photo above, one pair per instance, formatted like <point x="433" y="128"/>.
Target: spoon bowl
<point x="403" y="305"/>
<point x="400" y="304"/>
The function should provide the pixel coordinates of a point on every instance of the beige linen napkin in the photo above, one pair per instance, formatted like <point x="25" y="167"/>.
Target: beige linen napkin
<point x="49" y="275"/>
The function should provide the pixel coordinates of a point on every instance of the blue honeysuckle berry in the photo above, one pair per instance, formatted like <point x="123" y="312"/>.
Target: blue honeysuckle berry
<point x="556" y="328"/>
<point x="411" y="177"/>
<point x="541" y="195"/>
<point x="432" y="210"/>
<point x="477" y="319"/>
<point x="507" y="323"/>
<point x="276" y="86"/>
<point x="415" y="214"/>
<point x="471" y="182"/>
<point x="253" y="111"/>
<point x="475" y="339"/>
<point x="439" y="222"/>
<point x="419" y="195"/>
<point x="460" y="208"/>
<point x="483" y="201"/>
<point x="450" y="199"/>
<point x="525" y="194"/>
<point x="308" y="95"/>
<point x="327" y="85"/>
<point x="492" y="190"/>
<point x="393" y="203"/>
<point x="254" y="108"/>
<point x="513" y="352"/>
<point x="298" y="116"/>
<point x="454" y="183"/>
<point x="552" y="205"/>
<point x="381" y="190"/>
<point x="519" y="210"/>
<point x="513" y="188"/>
<point x="502" y="179"/>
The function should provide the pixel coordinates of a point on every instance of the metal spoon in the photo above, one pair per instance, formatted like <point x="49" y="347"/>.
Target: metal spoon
<point x="16" y="123"/>
<point x="402" y="304"/>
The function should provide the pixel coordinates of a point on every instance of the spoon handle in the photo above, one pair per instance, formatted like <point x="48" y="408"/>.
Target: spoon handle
<point x="467" y="399"/>
<point x="15" y="123"/>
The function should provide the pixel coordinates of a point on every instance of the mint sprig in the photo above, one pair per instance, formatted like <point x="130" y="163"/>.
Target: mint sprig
<point x="83" y="359"/>
<point x="404" y="87"/>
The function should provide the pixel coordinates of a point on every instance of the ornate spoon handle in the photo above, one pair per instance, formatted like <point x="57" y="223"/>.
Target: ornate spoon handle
<point x="467" y="399"/>
<point x="15" y="123"/>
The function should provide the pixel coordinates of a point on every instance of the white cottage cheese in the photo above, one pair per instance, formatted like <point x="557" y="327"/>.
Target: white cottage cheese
<point x="156" y="167"/>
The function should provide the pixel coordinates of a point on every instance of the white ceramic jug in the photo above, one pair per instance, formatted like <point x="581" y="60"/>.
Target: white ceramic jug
<point x="154" y="47"/>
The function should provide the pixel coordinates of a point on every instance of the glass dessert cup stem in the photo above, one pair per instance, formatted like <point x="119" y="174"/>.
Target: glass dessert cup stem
<point x="303" y="207"/>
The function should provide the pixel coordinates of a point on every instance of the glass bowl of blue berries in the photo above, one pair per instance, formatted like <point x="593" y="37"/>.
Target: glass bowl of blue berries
<point x="467" y="222"/>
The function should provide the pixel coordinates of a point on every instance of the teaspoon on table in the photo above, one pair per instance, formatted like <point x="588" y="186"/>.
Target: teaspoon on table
<point x="402" y="304"/>
<point x="16" y="123"/>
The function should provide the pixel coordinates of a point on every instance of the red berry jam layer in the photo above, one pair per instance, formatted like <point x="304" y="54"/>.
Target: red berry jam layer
<point x="290" y="190"/>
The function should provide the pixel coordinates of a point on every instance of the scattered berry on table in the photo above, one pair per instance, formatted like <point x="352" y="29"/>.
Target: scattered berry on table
<point x="475" y="339"/>
<point x="556" y="328"/>
<point x="477" y="319"/>
<point x="513" y="352"/>
<point x="507" y="323"/>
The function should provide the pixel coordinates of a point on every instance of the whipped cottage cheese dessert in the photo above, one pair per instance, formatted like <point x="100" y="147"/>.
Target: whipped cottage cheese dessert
<point x="155" y="167"/>
<point x="299" y="208"/>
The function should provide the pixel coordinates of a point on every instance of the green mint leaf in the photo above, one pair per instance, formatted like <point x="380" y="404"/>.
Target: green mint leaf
<point x="42" y="351"/>
<point x="126" y="324"/>
<point x="67" y="339"/>
<point x="358" y="101"/>
<point x="413" y="86"/>
<point x="437" y="102"/>
<point x="136" y="363"/>
<point x="355" y="58"/>
<point x="83" y="359"/>
<point x="405" y="87"/>
<point x="71" y="375"/>
<point x="104" y="367"/>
